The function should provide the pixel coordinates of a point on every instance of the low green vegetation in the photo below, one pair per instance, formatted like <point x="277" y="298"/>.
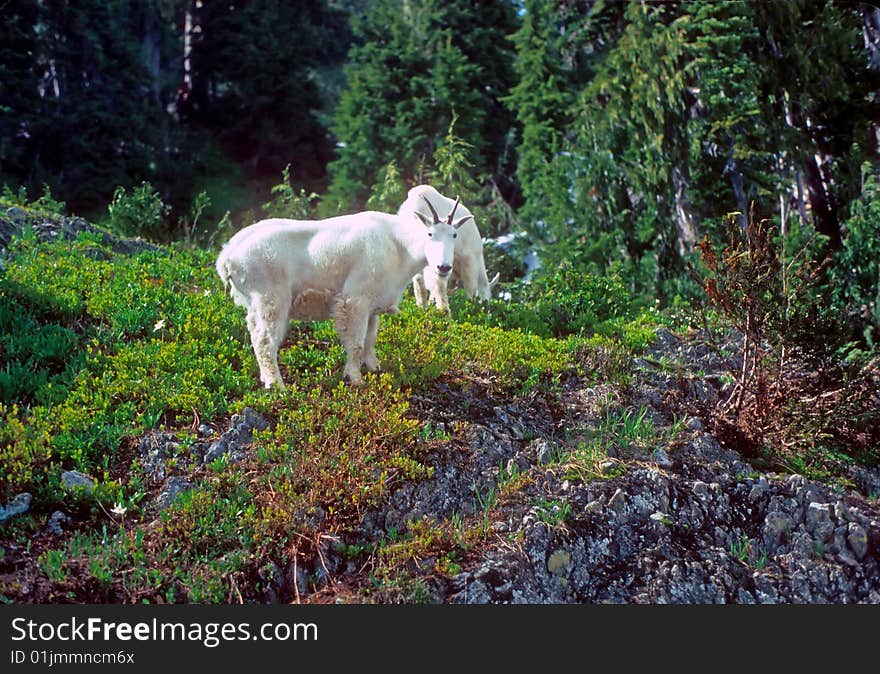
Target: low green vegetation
<point x="101" y="348"/>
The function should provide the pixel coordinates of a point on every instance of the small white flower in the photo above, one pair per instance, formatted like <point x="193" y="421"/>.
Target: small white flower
<point x="119" y="510"/>
<point x="159" y="325"/>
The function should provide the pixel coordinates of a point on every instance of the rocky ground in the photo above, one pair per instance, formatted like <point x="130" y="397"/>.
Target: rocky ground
<point x="50" y="227"/>
<point x="681" y="519"/>
<point x="685" y="520"/>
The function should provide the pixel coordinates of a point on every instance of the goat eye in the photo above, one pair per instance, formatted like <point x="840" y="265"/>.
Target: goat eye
<point x="455" y="236"/>
<point x="430" y="233"/>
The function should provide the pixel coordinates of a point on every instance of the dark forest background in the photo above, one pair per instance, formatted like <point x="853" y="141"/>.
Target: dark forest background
<point x="614" y="135"/>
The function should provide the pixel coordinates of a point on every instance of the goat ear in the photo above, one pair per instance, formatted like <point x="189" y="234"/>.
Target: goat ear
<point x="494" y="281"/>
<point x="458" y="223"/>
<point x="424" y="219"/>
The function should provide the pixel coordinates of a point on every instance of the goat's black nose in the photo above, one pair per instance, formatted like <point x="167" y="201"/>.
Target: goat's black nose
<point x="444" y="269"/>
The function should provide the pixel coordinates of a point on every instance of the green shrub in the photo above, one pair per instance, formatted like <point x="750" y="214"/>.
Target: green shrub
<point x="104" y="350"/>
<point x="556" y="303"/>
<point x="286" y="202"/>
<point x="856" y="268"/>
<point x="793" y="394"/>
<point x="389" y="192"/>
<point x="25" y="451"/>
<point x="141" y="213"/>
<point x="418" y="346"/>
<point x="45" y="203"/>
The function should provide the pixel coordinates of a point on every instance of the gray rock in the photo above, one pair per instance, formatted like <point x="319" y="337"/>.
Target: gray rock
<point x="253" y="419"/>
<point x="818" y="521"/>
<point x="700" y="489"/>
<point x="595" y="506"/>
<point x="857" y="539"/>
<point x="173" y="488"/>
<point x="51" y="227"/>
<point x="617" y="502"/>
<point x="239" y="436"/>
<point x="758" y="490"/>
<point x="802" y="545"/>
<point x="661" y="458"/>
<point x="216" y="450"/>
<point x="19" y="505"/>
<point x="73" y="479"/>
<point x="867" y="480"/>
<point x="543" y="451"/>
<point x="745" y="597"/>
<point x="57" y="521"/>
<point x="765" y="590"/>
<point x="777" y="530"/>
<point x="694" y="424"/>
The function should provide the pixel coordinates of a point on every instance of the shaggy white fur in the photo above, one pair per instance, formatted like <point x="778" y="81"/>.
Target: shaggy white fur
<point x="350" y="268"/>
<point x="469" y="267"/>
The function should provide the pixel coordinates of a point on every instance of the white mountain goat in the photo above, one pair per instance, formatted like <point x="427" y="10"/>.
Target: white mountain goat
<point x="351" y="268"/>
<point x="469" y="268"/>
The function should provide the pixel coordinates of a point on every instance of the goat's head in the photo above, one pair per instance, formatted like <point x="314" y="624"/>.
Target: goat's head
<point x="440" y="246"/>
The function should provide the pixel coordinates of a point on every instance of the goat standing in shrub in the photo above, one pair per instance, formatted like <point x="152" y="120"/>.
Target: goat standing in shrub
<point x="470" y="268"/>
<point x="350" y="268"/>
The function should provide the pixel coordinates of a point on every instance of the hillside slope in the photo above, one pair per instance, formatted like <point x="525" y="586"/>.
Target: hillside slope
<point x="142" y="462"/>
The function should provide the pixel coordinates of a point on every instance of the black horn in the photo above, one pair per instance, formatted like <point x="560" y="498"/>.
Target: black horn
<point x="433" y="212"/>
<point x="452" y="213"/>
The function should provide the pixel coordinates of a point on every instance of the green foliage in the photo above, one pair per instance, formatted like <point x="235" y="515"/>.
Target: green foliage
<point x="856" y="266"/>
<point x="45" y="203"/>
<point x="190" y="222"/>
<point x="507" y="359"/>
<point x="557" y="302"/>
<point x="452" y="159"/>
<point x="389" y="192"/>
<point x="619" y="431"/>
<point x="141" y="213"/>
<point x="120" y="344"/>
<point x="287" y="202"/>
<point x="553" y="513"/>
<point x="338" y="451"/>
<point x="640" y="118"/>
<point x="413" y="65"/>
<point x="541" y="100"/>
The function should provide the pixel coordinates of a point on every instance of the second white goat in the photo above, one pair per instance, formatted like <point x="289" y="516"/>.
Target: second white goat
<point x="469" y="267"/>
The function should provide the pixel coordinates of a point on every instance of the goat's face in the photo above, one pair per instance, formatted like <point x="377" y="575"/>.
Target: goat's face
<point x="440" y="244"/>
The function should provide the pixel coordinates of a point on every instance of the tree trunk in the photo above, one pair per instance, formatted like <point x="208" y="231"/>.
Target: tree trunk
<point x="192" y="96"/>
<point x="822" y="203"/>
<point x="739" y="192"/>
<point x="871" y="27"/>
<point x="152" y="39"/>
<point x="687" y="231"/>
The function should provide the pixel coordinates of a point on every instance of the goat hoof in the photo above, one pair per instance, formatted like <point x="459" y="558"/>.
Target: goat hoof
<point x="351" y="381"/>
